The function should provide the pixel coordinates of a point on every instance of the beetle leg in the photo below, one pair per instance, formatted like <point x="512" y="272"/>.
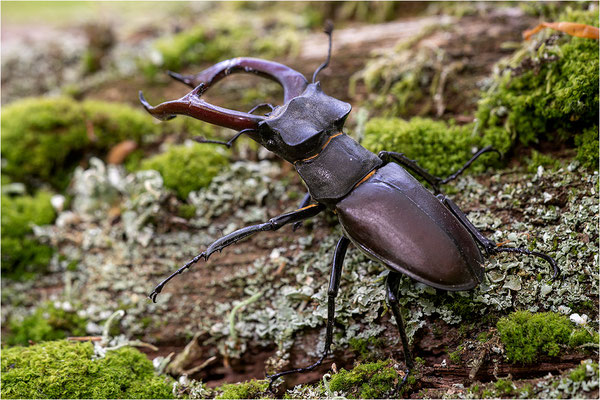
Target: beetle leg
<point x="332" y="292"/>
<point x="256" y="107"/>
<point x="228" y="144"/>
<point x="272" y="225"/>
<point x="490" y="246"/>
<point x="401" y="159"/>
<point x="305" y="201"/>
<point x="434" y="181"/>
<point x="391" y="283"/>
<point x="462" y="169"/>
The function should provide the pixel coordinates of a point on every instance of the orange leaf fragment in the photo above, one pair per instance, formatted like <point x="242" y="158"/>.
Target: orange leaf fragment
<point x="119" y="153"/>
<point x="571" y="28"/>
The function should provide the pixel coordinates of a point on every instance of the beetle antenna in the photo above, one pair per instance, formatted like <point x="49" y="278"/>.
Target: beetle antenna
<point x="328" y="30"/>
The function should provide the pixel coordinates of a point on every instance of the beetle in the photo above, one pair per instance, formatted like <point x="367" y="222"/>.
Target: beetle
<point x="383" y="210"/>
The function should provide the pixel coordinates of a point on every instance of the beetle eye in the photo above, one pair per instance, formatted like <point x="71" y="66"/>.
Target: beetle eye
<point x="270" y="143"/>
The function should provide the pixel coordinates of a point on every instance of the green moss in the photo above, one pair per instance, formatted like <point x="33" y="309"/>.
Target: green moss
<point x="365" y="347"/>
<point x="62" y="369"/>
<point x="579" y="374"/>
<point x="587" y="147"/>
<point x="186" y="211"/>
<point x="252" y="389"/>
<point x="43" y="139"/>
<point x="439" y="147"/>
<point x="503" y="387"/>
<point x="455" y="355"/>
<point x="548" y="90"/>
<point x="581" y="336"/>
<point x="46" y="323"/>
<point x="22" y="255"/>
<point x="187" y="168"/>
<point x="225" y="35"/>
<point x="367" y="381"/>
<point x="526" y="336"/>
<point x="546" y="161"/>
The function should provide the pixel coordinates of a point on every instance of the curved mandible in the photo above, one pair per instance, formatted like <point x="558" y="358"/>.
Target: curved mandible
<point x="293" y="82"/>
<point x="192" y="105"/>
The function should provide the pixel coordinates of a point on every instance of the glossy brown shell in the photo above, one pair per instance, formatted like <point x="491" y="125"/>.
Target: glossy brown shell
<point x="395" y="220"/>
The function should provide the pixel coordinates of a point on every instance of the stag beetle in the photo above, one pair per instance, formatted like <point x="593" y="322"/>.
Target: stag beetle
<point x="383" y="210"/>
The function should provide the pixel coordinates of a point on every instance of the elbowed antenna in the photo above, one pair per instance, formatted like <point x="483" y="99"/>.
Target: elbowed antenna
<point x="329" y="31"/>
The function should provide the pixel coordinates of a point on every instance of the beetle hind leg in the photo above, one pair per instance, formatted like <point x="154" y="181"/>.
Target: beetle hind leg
<point x="391" y="284"/>
<point x="334" y="286"/>
<point x="489" y="246"/>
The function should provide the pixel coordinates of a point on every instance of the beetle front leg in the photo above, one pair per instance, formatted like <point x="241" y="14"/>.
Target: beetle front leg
<point x="234" y="237"/>
<point x="305" y="201"/>
<point x="332" y="292"/>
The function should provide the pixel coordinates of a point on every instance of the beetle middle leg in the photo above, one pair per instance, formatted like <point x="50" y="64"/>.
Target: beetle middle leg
<point x="332" y="292"/>
<point x="489" y="246"/>
<point x="434" y="181"/>
<point x="272" y="225"/>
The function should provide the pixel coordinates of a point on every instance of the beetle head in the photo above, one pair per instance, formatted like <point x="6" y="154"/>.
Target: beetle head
<point x="294" y="131"/>
<point x="300" y="128"/>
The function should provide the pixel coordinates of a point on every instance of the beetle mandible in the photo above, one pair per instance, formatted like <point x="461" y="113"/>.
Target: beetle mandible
<point x="383" y="210"/>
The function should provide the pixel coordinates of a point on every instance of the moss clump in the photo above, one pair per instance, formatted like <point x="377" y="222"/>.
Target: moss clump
<point x="252" y="389"/>
<point x="186" y="211"/>
<point x="582" y="336"/>
<point x="22" y="255"/>
<point x="366" y="348"/>
<point x="526" y="336"/>
<point x="46" y="323"/>
<point x="548" y="90"/>
<point x="367" y="381"/>
<point x="62" y="369"/>
<point x="503" y="387"/>
<point x="187" y="168"/>
<point x="43" y="139"/>
<point x="587" y="147"/>
<point x="439" y="147"/>
<point x="226" y="35"/>
<point x="580" y="373"/>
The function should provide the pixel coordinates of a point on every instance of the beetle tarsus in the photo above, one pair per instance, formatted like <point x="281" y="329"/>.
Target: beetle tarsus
<point x="462" y="169"/>
<point x="161" y="285"/>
